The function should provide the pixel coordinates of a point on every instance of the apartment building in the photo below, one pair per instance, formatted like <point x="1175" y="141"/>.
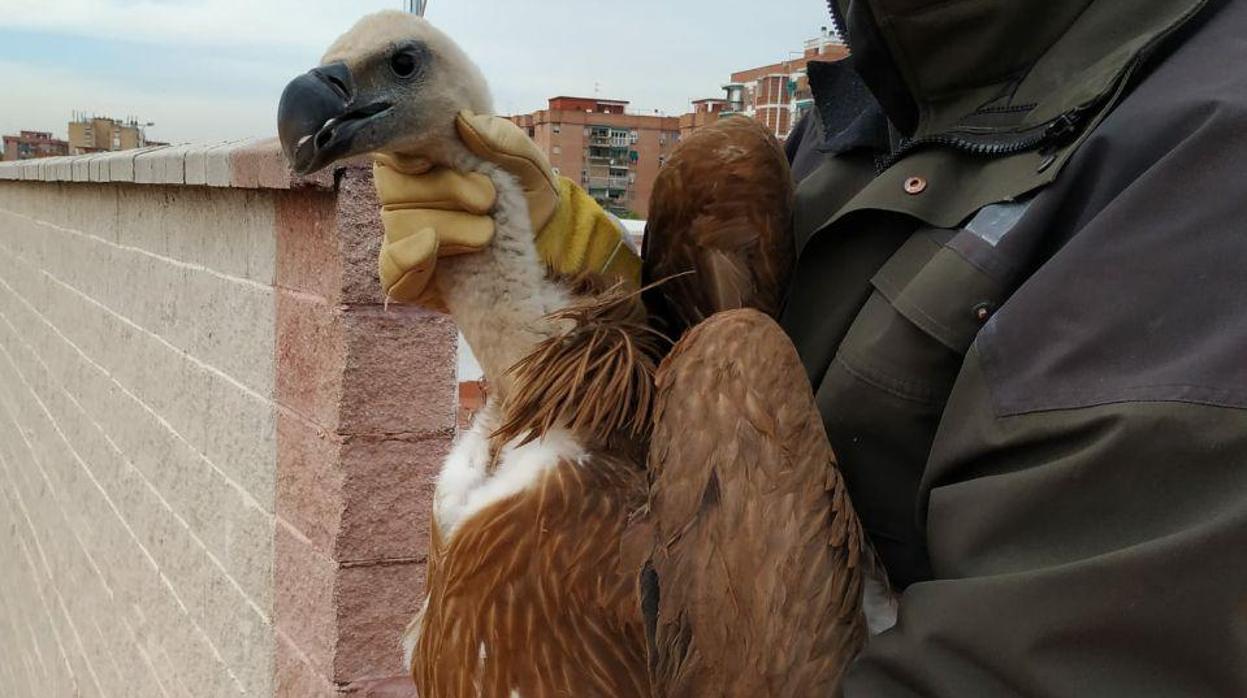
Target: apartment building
<point x="613" y="154"/>
<point x="95" y="134"/>
<point x="779" y="93"/>
<point x="27" y="145"/>
<point x="705" y="112"/>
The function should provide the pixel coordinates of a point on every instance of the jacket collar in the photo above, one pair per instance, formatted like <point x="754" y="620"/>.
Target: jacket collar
<point x="980" y="68"/>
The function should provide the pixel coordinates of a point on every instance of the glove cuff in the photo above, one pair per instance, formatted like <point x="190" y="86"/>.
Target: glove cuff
<point x="582" y="237"/>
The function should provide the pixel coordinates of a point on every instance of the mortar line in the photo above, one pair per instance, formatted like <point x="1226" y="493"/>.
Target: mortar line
<point x="17" y="504"/>
<point x="181" y="264"/>
<point x="138" y="646"/>
<point x="82" y="463"/>
<point x="95" y="678"/>
<point x="9" y="472"/>
<point x="281" y="636"/>
<point x="248" y="390"/>
<point x="90" y="558"/>
<point x="30" y="674"/>
<point x="248" y="497"/>
<point x="108" y="649"/>
<point x="47" y="570"/>
<point x="150" y="559"/>
<point x="307" y="542"/>
<point x="307" y="296"/>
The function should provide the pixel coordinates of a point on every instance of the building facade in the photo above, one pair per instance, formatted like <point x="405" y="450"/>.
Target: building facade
<point x="705" y="112"/>
<point x="94" y="134"/>
<point x="779" y="93"/>
<point x="614" y="155"/>
<point x="28" y="145"/>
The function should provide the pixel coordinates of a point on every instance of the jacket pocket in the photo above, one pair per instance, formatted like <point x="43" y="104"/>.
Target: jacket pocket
<point x="927" y="305"/>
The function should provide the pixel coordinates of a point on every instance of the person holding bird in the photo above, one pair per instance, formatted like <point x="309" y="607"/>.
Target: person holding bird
<point x="1018" y="297"/>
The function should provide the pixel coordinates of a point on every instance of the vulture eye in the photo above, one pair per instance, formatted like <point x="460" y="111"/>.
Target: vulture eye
<point x="403" y="63"/>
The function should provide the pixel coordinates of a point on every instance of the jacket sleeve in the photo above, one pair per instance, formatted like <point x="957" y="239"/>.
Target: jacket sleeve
<point x="1096" y="551"/>
<point x="1085" y="499"/>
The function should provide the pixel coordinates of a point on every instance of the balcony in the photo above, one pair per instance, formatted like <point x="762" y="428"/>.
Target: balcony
<point x="612" y="184"/>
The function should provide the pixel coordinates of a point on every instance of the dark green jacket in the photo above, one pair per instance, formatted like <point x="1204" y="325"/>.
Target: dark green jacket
<point x="1022" y="300"/>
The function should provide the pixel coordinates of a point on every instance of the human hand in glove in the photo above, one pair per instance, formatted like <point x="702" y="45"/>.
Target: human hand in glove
<point x="431" y="213"/>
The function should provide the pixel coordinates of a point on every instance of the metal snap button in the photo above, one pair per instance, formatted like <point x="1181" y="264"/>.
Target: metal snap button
<point x="983" y="312"/>
<point x="915" y="185"/>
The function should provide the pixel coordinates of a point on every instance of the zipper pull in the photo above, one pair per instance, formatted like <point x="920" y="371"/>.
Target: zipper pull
<point x="1056" y="135"/>
<point x="1063" y="126"/>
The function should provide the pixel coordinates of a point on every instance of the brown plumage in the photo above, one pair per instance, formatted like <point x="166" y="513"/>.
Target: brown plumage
<point x="755" y="584"/>
<point x="532" y="597"/>
<point x="751" y="554"/>
<point x="722" y="209"/>
<point x="595" y="378"/>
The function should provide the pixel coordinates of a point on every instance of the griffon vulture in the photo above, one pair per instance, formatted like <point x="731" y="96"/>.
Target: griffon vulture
<point x="747" y="551"/>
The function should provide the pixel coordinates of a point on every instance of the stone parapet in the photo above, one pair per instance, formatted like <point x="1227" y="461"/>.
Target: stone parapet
<point x="217" y="445"/>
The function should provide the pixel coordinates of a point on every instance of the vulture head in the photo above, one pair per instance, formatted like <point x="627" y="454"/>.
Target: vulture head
<point x="392" y="85"/>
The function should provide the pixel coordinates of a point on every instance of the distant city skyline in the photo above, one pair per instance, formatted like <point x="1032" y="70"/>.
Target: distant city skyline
<point x="213" y="69"/>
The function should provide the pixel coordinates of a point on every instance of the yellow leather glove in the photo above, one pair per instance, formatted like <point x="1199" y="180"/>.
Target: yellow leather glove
<point x="429" y="213"/>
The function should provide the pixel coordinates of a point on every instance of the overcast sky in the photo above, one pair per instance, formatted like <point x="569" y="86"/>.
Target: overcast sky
<point x="213" y="69"/>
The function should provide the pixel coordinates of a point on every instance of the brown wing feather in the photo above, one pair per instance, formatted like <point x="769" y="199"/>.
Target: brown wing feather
<point x="595" y="378"/>
<point x="754" y="587"/>
<point x="530" y="594"/>
<point x="721" y="208"/>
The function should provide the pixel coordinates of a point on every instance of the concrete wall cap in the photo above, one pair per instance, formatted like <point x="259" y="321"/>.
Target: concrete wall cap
<point x="255" y="163"/>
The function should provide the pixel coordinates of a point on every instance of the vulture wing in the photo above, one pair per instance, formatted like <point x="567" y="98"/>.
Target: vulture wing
<point x="721" y="209"/>
<point x="529" y="598"/>
<point x="754" y="586"/>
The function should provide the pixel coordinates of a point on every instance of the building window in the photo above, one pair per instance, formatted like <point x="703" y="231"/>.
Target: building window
<point x="556" y="171"/>
<point x="558" y="128"/>
<point x="635" y="137"/>
<point x="558" y="150"/>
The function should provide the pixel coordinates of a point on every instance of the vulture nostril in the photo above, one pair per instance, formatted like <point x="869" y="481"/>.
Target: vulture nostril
<point x="338" y="86"/>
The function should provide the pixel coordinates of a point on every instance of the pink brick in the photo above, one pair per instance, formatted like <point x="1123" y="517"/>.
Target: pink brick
<point x="376" y="603"/>
<point x="295" y="678"/>
<point x="309" y="481"/>
<point x="308" y="252"/>
<point x="400" y="375"/>
<point x="359" y="234"/>
<point x="310" y="358"/>
<point x="260" y="164"/>
<point x="388" y="485"/>
<point x="305" y="600"/>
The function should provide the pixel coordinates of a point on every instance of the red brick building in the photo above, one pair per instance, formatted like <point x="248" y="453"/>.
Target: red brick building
<point x="778" y="94"/>
<point x="614" y="155"/>
<point x="705" y="112"/>
<point x="33" y="144"/>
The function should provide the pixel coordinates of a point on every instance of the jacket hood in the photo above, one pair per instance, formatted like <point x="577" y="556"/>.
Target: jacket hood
<point x="940" y="66"/>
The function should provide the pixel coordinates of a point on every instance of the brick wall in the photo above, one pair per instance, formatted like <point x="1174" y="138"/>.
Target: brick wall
<point x="216" y="446"/>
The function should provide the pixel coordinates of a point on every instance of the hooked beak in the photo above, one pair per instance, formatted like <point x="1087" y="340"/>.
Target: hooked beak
<point x="318" y="119"/>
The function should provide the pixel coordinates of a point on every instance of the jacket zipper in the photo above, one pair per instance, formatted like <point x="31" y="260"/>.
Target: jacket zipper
<point x="1055" y="133"/>
<point x="1052" y="133"/>
<point x="837" y="20"/>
